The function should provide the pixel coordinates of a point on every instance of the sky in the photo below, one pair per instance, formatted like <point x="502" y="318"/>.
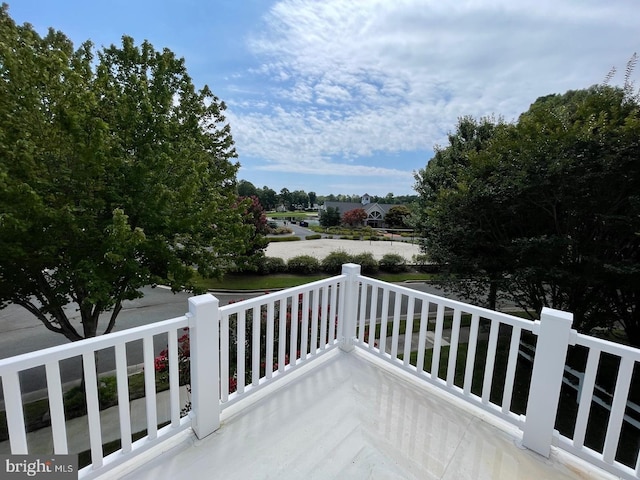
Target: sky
<point x="353" y="96"/>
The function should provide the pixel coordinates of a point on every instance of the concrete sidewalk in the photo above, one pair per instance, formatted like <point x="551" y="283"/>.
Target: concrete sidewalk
<point x="41" y="441"/>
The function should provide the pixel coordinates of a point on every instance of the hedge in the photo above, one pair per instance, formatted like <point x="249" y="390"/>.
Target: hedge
<point x="303" y="264"/>
<point x="269" y="265"/>
<point x="283" y="239"/>
<point x="367" y="262"/>
<point x="333" y="262"/>
<point x="393" y="263"/>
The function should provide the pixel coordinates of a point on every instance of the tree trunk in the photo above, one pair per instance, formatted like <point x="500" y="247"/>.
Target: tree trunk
<point x="493" y="294"/>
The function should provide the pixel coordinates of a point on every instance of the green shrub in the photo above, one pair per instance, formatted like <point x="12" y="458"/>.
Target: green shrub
<point x="315" y="236"/>
<point x="283" y="239"/>
<point x="268" y="265"/>
<point x="75" y="403"/>
<point x="366" y="261"/>
<point x="107" y="393"/>
<point x="281" y="231"/>
<point x="333" y="262"/>
<point x="423" y="263"/>
<point x="303" y="264"/>
<point x="393" y="263"/>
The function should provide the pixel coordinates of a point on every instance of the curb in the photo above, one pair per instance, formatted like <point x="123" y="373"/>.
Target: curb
<point x="224" y="291"/>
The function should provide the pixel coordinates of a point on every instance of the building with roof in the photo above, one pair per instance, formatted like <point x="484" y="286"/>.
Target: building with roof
<point x="376" y="212"/>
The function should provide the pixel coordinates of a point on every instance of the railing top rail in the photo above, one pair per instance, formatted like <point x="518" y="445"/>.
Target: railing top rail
<point x="68" y="350"/>
<point x="282" y="294"/>
<point x="608" y="346"/>
<point x="525" y="324"/>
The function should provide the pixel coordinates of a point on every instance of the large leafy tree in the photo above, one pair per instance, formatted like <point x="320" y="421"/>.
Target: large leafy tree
<point x="285" y="197"/>
<point x="455" y="219"/>
<point x="257" y="242"/>
<point x="115" y="172"/>
<point x="330" y="217"/>
<point x="397" y="217"/>
<point x="299" y="199"/>
<point x="246" y="189"/>
<point x="312" y="199"/>
<point x="553" y="199"/>
<point x="576" y="187"/>
<point x="268" y="198"/>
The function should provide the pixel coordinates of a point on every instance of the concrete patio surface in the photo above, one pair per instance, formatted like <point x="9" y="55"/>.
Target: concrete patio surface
<point x="322" y="247"/>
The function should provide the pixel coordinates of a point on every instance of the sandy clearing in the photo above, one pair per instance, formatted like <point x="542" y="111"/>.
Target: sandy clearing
<point x="323" y="247"/>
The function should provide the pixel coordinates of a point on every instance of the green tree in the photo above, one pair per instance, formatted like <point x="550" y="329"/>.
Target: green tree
<point x="285" y="198"/>
<point x="254" y="247"/>
<point x="268" y="198"/>
<point x="246" y="189"/>
<point x="553" y="202"/>
<point x="454" y="235"/>
<point x="299" y="199"/>
<point x="397" y="216"/>
<point x="330" y="217"/>
<point x="577" y="184"/>
<point x="115" y="173"/>
<point x="312" y="199"/>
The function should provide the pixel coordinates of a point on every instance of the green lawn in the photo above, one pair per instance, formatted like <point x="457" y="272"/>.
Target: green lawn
<point x="296" y="214"/>
<point x="285" y="280"/>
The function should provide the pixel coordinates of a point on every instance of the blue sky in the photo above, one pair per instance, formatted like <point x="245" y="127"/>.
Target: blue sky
<point x="352" y="96"/>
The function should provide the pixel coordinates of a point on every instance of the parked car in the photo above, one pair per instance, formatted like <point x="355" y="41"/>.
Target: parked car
<point x="303" y="223"/>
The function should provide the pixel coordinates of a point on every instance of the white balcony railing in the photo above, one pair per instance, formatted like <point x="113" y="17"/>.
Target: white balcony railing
<point x="237" y="349"/>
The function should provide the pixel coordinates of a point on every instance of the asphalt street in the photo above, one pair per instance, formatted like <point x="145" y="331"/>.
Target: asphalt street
<point x="21" y="332"/>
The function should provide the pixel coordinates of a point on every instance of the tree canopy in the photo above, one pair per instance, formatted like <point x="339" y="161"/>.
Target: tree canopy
<point x="545" y="210"/>
<point x="329" y="217"/>
<point x="397" y="217"/>
<point x="246" y="189"/>
<point x="115" y="173"/>
<point x="354" y="217"/>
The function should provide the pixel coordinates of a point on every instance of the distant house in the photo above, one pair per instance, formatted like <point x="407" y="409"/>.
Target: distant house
<point x="375" y="211"/>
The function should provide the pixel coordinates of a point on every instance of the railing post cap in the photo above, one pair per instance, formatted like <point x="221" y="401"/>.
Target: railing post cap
<point x="351" y="269"/>
<point x="557" y="314"/>
<point x="202" y="299"/>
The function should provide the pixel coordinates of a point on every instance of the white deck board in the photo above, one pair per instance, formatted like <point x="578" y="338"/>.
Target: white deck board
<point x="349" y="418"/>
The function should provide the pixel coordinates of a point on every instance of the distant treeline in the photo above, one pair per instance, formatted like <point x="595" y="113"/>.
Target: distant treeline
<point x="301" y="200"/>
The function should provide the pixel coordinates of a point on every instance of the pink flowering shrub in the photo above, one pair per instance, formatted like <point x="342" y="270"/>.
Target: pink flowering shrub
<point x="292" y="352"/>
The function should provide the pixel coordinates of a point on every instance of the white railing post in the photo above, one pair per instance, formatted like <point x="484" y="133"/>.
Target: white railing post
<point x="554" y="337"/>
<point x="204" y="342"/>
<point x="347" y="321"/>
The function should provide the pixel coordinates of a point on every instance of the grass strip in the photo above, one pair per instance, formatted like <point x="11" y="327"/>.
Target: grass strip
<point x="285" y="280"/>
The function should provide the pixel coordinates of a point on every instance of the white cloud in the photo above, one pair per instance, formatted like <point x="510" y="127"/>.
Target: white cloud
<point x="350" y="79"/>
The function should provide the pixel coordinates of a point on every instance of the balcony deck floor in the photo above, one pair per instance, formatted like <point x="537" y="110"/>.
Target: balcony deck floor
<point x="350" y="418"/>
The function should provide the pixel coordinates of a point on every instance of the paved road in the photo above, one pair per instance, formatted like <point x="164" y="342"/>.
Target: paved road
<point x="298" y="231"/>
<point x="21" y="332"/>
